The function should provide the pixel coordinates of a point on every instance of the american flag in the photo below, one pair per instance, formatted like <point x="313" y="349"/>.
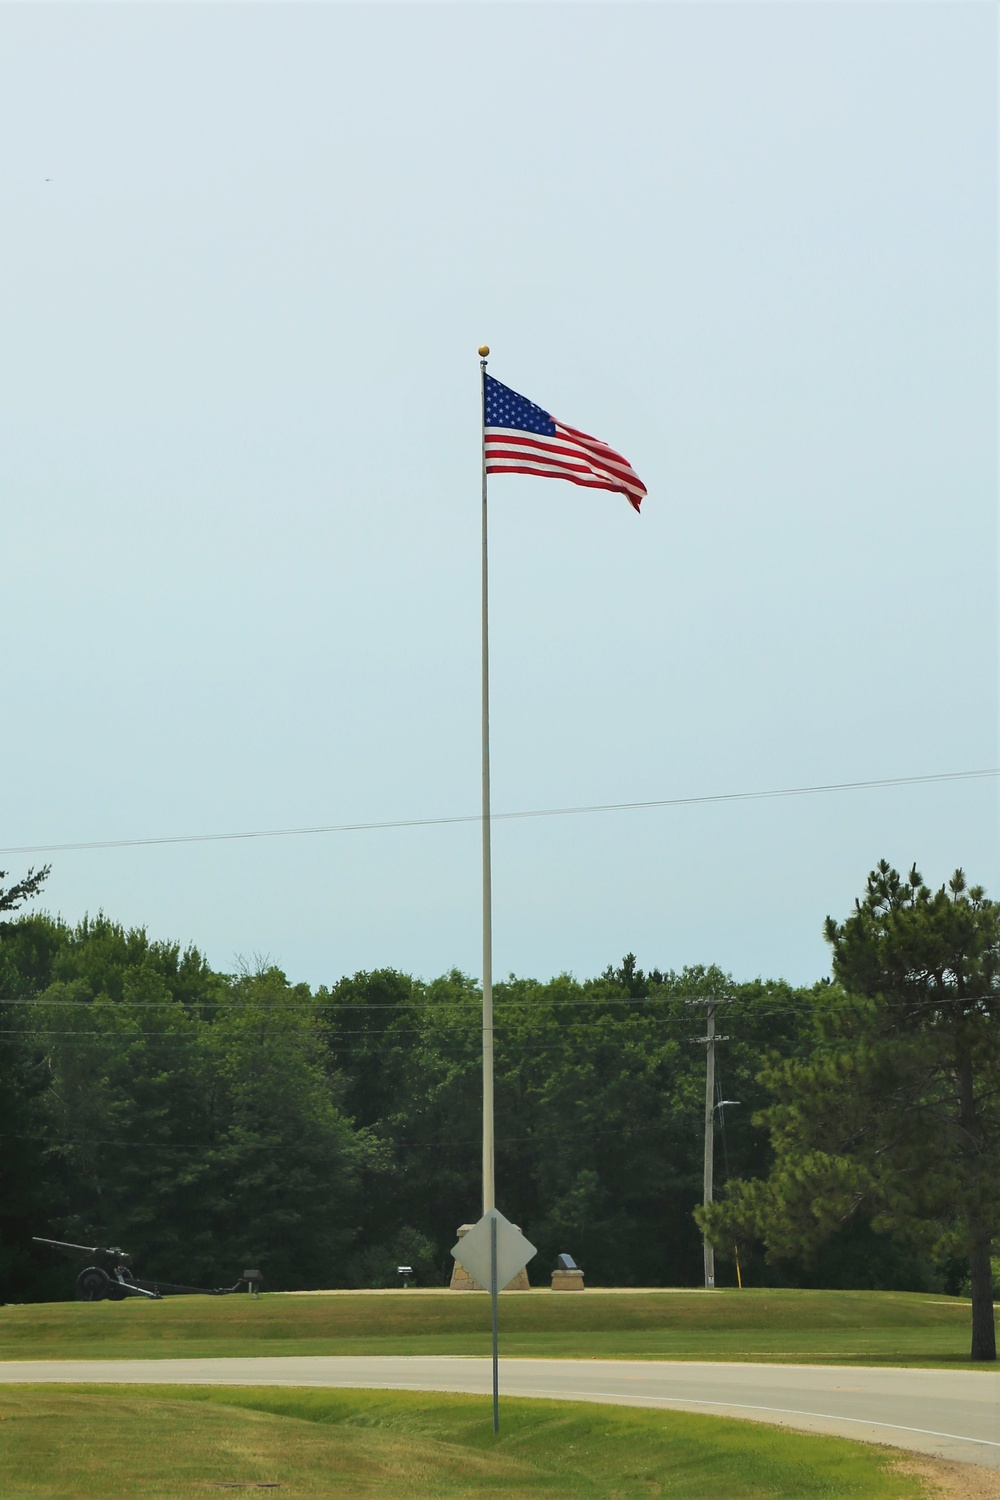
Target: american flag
<point x="521" y="438"/>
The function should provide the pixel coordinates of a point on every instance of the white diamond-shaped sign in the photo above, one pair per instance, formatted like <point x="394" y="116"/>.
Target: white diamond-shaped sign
<point x="474" y="1250"/>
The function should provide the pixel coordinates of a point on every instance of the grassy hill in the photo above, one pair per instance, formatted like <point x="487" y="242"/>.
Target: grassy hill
<point x="72" y="1444"/>
<point x="759" y="1324"/>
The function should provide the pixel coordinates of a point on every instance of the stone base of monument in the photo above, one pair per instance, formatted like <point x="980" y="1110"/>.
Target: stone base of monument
<point x="567" y="1281"/>
<point x="463" y="1280"/>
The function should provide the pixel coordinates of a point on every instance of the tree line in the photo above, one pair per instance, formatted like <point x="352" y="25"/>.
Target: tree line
<point x="210" y="1121"/>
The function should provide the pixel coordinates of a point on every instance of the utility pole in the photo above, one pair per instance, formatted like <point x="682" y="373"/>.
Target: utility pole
<point x="711" y="1006"/>
<point x="709" y="1133"/>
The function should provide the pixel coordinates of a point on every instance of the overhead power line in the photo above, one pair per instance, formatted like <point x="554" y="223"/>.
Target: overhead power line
<point x="651" y="1013"/>
<point x="639" y="1007"/>
<point x="539" y="812"/>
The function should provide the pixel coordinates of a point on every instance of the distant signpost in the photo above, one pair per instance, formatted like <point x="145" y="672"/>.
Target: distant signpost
<point x="493" y="1251"/>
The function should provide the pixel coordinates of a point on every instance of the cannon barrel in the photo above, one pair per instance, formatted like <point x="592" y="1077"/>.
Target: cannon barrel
<point x="83" y="1250"/>
<point x="109" y="1254"/>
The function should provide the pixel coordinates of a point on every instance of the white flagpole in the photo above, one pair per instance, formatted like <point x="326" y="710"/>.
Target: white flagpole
<point x="489" y="1200"/>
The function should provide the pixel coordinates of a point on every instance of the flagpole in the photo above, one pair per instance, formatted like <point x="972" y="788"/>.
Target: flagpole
<point x="489" y="1198"/>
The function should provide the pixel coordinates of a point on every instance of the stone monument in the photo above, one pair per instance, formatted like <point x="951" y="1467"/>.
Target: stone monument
<point x="567" y="1276"/>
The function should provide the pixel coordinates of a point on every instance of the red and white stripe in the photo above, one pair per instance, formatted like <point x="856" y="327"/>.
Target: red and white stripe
<point x="568" y="455"/>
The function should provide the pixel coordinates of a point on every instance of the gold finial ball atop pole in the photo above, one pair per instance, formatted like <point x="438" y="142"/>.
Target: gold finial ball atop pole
<point x="484" y="349"/>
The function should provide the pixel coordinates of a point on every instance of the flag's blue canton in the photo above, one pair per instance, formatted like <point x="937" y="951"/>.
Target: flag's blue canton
<point x="505" y="408"/>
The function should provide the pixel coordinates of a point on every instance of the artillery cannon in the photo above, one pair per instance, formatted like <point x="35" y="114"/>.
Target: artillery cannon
<point x="110" y="1276"/>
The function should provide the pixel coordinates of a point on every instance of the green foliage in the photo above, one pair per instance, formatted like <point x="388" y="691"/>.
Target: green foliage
<point x="26" y="949"/>
<point x="183" y="1113"/>
<point x="282" y="1169"/>
<point x="25" y="889"/>
<point x="599" y="1106"/>
<point x="895" y="1113"/>
<point x="210" y="1121"/>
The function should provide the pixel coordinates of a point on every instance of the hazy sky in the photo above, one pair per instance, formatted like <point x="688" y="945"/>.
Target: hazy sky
<point x="246" y="256"/>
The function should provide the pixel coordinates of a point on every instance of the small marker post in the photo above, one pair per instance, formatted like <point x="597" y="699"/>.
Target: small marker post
<point x="493" y="1252"/>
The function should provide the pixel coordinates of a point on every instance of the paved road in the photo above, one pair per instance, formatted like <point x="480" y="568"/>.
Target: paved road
<point x="951" y="1413"/>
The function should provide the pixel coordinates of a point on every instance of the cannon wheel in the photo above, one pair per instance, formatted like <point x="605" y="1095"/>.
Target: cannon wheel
<point x="93" y="1284"/>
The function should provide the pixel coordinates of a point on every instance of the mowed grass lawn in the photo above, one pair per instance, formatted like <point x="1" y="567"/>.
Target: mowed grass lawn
<point x="890" y="1328"/>
<point x="139" y="1444"/>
